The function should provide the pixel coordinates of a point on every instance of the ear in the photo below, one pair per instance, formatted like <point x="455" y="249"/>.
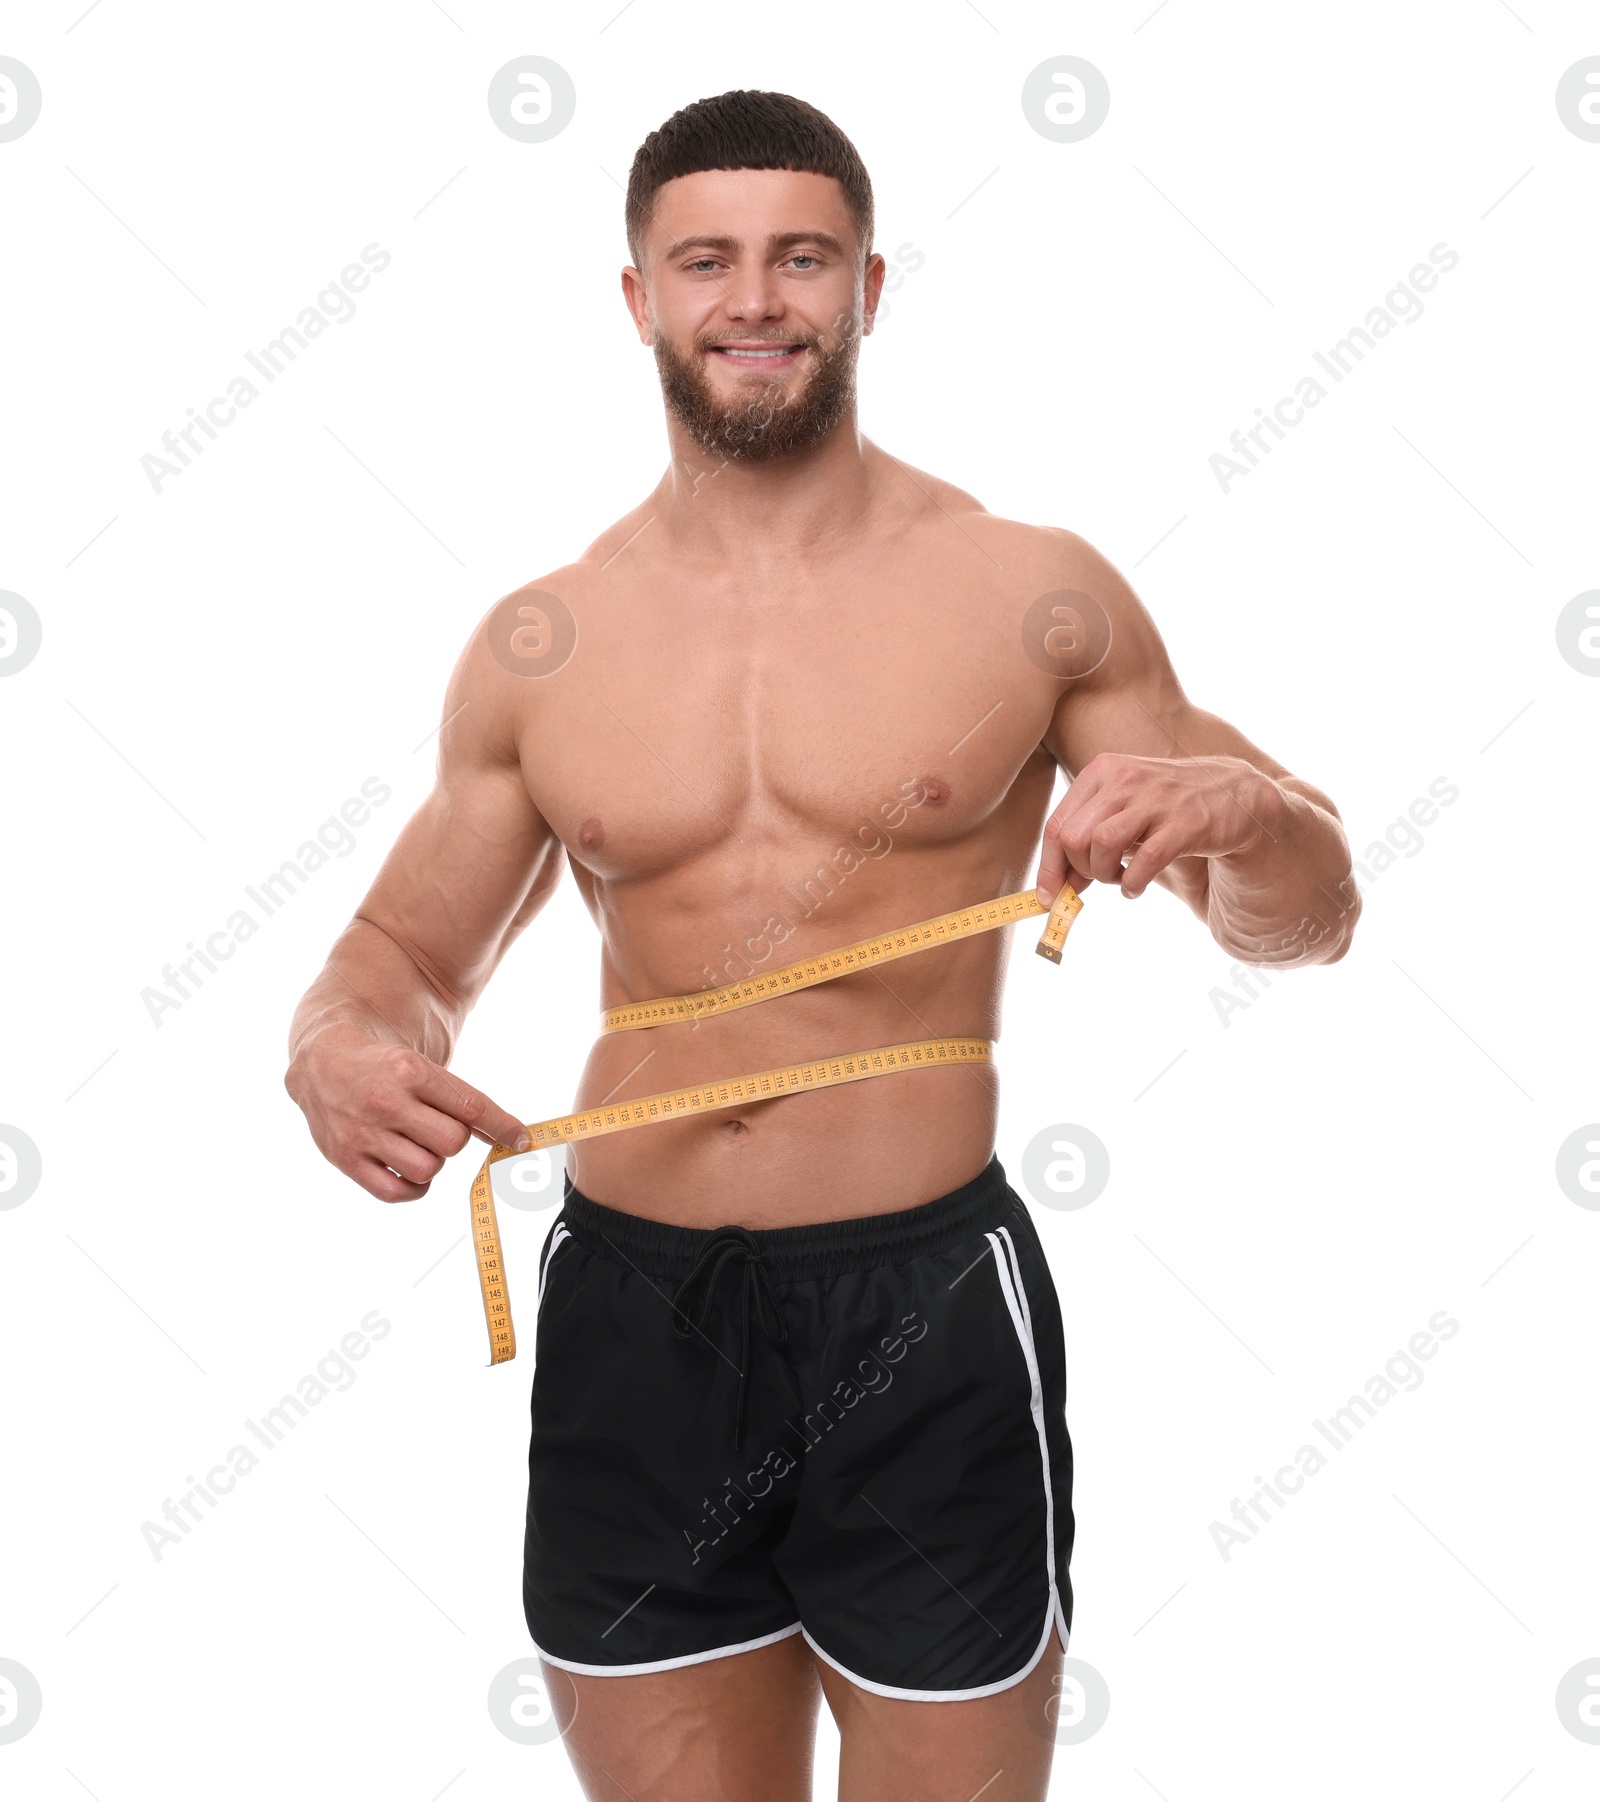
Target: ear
<point x="638" y="303"/>
<point x="872" y="288"/>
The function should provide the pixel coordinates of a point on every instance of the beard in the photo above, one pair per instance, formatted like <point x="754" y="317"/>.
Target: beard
<point x="765" y="419"/>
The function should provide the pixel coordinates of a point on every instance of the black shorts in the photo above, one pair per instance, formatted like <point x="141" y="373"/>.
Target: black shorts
<point x="854" y="1430"/>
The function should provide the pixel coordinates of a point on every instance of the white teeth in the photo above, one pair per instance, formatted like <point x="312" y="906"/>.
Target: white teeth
<point x="728" y="350"/>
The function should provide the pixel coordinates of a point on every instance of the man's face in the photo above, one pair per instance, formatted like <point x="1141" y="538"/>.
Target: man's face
<point x="753" y="305"/>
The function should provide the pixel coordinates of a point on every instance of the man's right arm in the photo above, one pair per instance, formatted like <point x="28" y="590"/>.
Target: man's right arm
<point x="373" y="1034"/>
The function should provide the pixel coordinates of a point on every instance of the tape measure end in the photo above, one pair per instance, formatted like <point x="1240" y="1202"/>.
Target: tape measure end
<point x="1049" y="951"/>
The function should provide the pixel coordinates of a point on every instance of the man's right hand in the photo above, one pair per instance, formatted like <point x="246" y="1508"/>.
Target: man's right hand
<point x="387" y="1116"/>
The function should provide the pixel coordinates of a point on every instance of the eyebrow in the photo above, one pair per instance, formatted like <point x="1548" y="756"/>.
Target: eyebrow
<point x="777" y="242"/>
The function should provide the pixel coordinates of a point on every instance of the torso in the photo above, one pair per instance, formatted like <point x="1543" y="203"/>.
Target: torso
<point x="747" y="767"/>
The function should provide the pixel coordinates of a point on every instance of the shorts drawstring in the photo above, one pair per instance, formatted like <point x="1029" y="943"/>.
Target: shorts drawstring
<point x="725" y="1246"/>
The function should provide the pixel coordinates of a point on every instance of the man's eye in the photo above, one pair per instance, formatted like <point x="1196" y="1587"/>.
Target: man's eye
<point x="804" y="256"/>
<point x="702" y="262"/>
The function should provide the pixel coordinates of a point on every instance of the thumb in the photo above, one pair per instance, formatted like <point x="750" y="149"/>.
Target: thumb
<point x="1055" y="869"/>
<point x="497" y="1127"/>
<point x="486" y="1120"/>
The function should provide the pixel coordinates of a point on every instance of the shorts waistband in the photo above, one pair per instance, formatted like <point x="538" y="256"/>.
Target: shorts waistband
<point x="823" y="1248"/>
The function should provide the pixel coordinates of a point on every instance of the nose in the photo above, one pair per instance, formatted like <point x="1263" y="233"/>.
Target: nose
<point x="752" y="296"/>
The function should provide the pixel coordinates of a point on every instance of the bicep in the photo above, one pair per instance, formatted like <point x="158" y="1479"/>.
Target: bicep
<point x="477" y="860"/>
<point x="1132" y="700"/>
<point x="1133" y="703"/>
<point x="1152" y="720"/>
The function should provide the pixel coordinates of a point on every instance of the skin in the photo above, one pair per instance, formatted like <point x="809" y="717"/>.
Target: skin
<point x="816" y="660"/>
<point x="669" y="1736"/>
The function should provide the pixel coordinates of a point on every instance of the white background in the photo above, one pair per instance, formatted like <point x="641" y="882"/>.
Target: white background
<point x="1290" y="1200"/>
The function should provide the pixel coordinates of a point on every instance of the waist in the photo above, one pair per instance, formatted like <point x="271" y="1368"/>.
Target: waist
<point x="803" y="1253"/>
<point x="846" y="1016"/>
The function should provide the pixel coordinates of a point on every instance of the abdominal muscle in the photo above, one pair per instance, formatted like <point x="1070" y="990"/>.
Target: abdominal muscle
<point x="871" y="1147"/>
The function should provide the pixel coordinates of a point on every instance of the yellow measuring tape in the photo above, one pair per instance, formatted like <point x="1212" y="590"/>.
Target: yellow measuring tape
<point x="820" y="1073"/>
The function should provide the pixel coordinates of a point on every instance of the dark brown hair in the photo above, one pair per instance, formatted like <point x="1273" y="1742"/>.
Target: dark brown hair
<point x="747" y="128"/>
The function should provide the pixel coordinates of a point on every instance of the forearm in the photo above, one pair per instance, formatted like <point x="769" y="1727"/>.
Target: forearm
<point x="373" y="988"/>
<point x="1289" y="898"/>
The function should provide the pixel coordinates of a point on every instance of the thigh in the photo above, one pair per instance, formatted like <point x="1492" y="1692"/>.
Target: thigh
<point x="733" y="1729"/>
<point x="927" y="1555"/>
<point x="648" y="1539"/>
<point x="997" y="1747"/>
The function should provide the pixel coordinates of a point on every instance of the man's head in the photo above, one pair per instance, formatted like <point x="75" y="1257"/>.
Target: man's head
<point x="750" y="219"/>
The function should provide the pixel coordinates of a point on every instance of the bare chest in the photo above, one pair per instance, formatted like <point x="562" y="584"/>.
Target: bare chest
<point x="697" y="716"/>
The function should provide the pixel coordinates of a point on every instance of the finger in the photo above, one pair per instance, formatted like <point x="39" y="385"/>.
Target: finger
<point x="436" y="1132"/>
<point x="379" y="1180"/>
<point x="1149" y="860"/>
<point x="406" y="1157"/>
<point x="1080" y="816"/>
<point x="1064" y="853"/>
<point x="1112" y="840"/>
<point x="1056" y="868"/>
<point x="485" y="1119"/>
<point x="1052" y="869"/>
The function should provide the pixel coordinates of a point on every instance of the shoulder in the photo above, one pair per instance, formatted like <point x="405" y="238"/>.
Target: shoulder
<point x="1079" y="616"/>
<point x="1057" y="557"/>
<point x="1022" y="546"/>
<point x="568" y="586"/>
<point x="1026" y="558"/>
<point x="1043" y="559"/>
<point x="531" y="631"/>
<point x="527" y="633"/>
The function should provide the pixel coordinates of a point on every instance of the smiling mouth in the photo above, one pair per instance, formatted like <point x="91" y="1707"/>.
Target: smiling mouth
<point x="769" y="356"/>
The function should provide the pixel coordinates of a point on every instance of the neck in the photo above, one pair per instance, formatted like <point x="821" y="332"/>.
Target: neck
<point x="732" y="512"/>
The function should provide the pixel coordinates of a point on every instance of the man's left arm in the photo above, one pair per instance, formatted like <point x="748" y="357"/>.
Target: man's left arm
<point x="1189" y="802"/>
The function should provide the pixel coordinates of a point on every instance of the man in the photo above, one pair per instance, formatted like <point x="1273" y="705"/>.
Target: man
<point x="798" y="1398"/>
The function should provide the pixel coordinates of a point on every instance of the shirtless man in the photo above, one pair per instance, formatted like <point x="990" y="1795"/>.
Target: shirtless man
<point x="802" y="694"/>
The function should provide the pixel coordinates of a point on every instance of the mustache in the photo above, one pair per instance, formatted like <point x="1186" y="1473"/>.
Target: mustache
<point x="845" y="330"/>
<point x="808" y="339"/>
